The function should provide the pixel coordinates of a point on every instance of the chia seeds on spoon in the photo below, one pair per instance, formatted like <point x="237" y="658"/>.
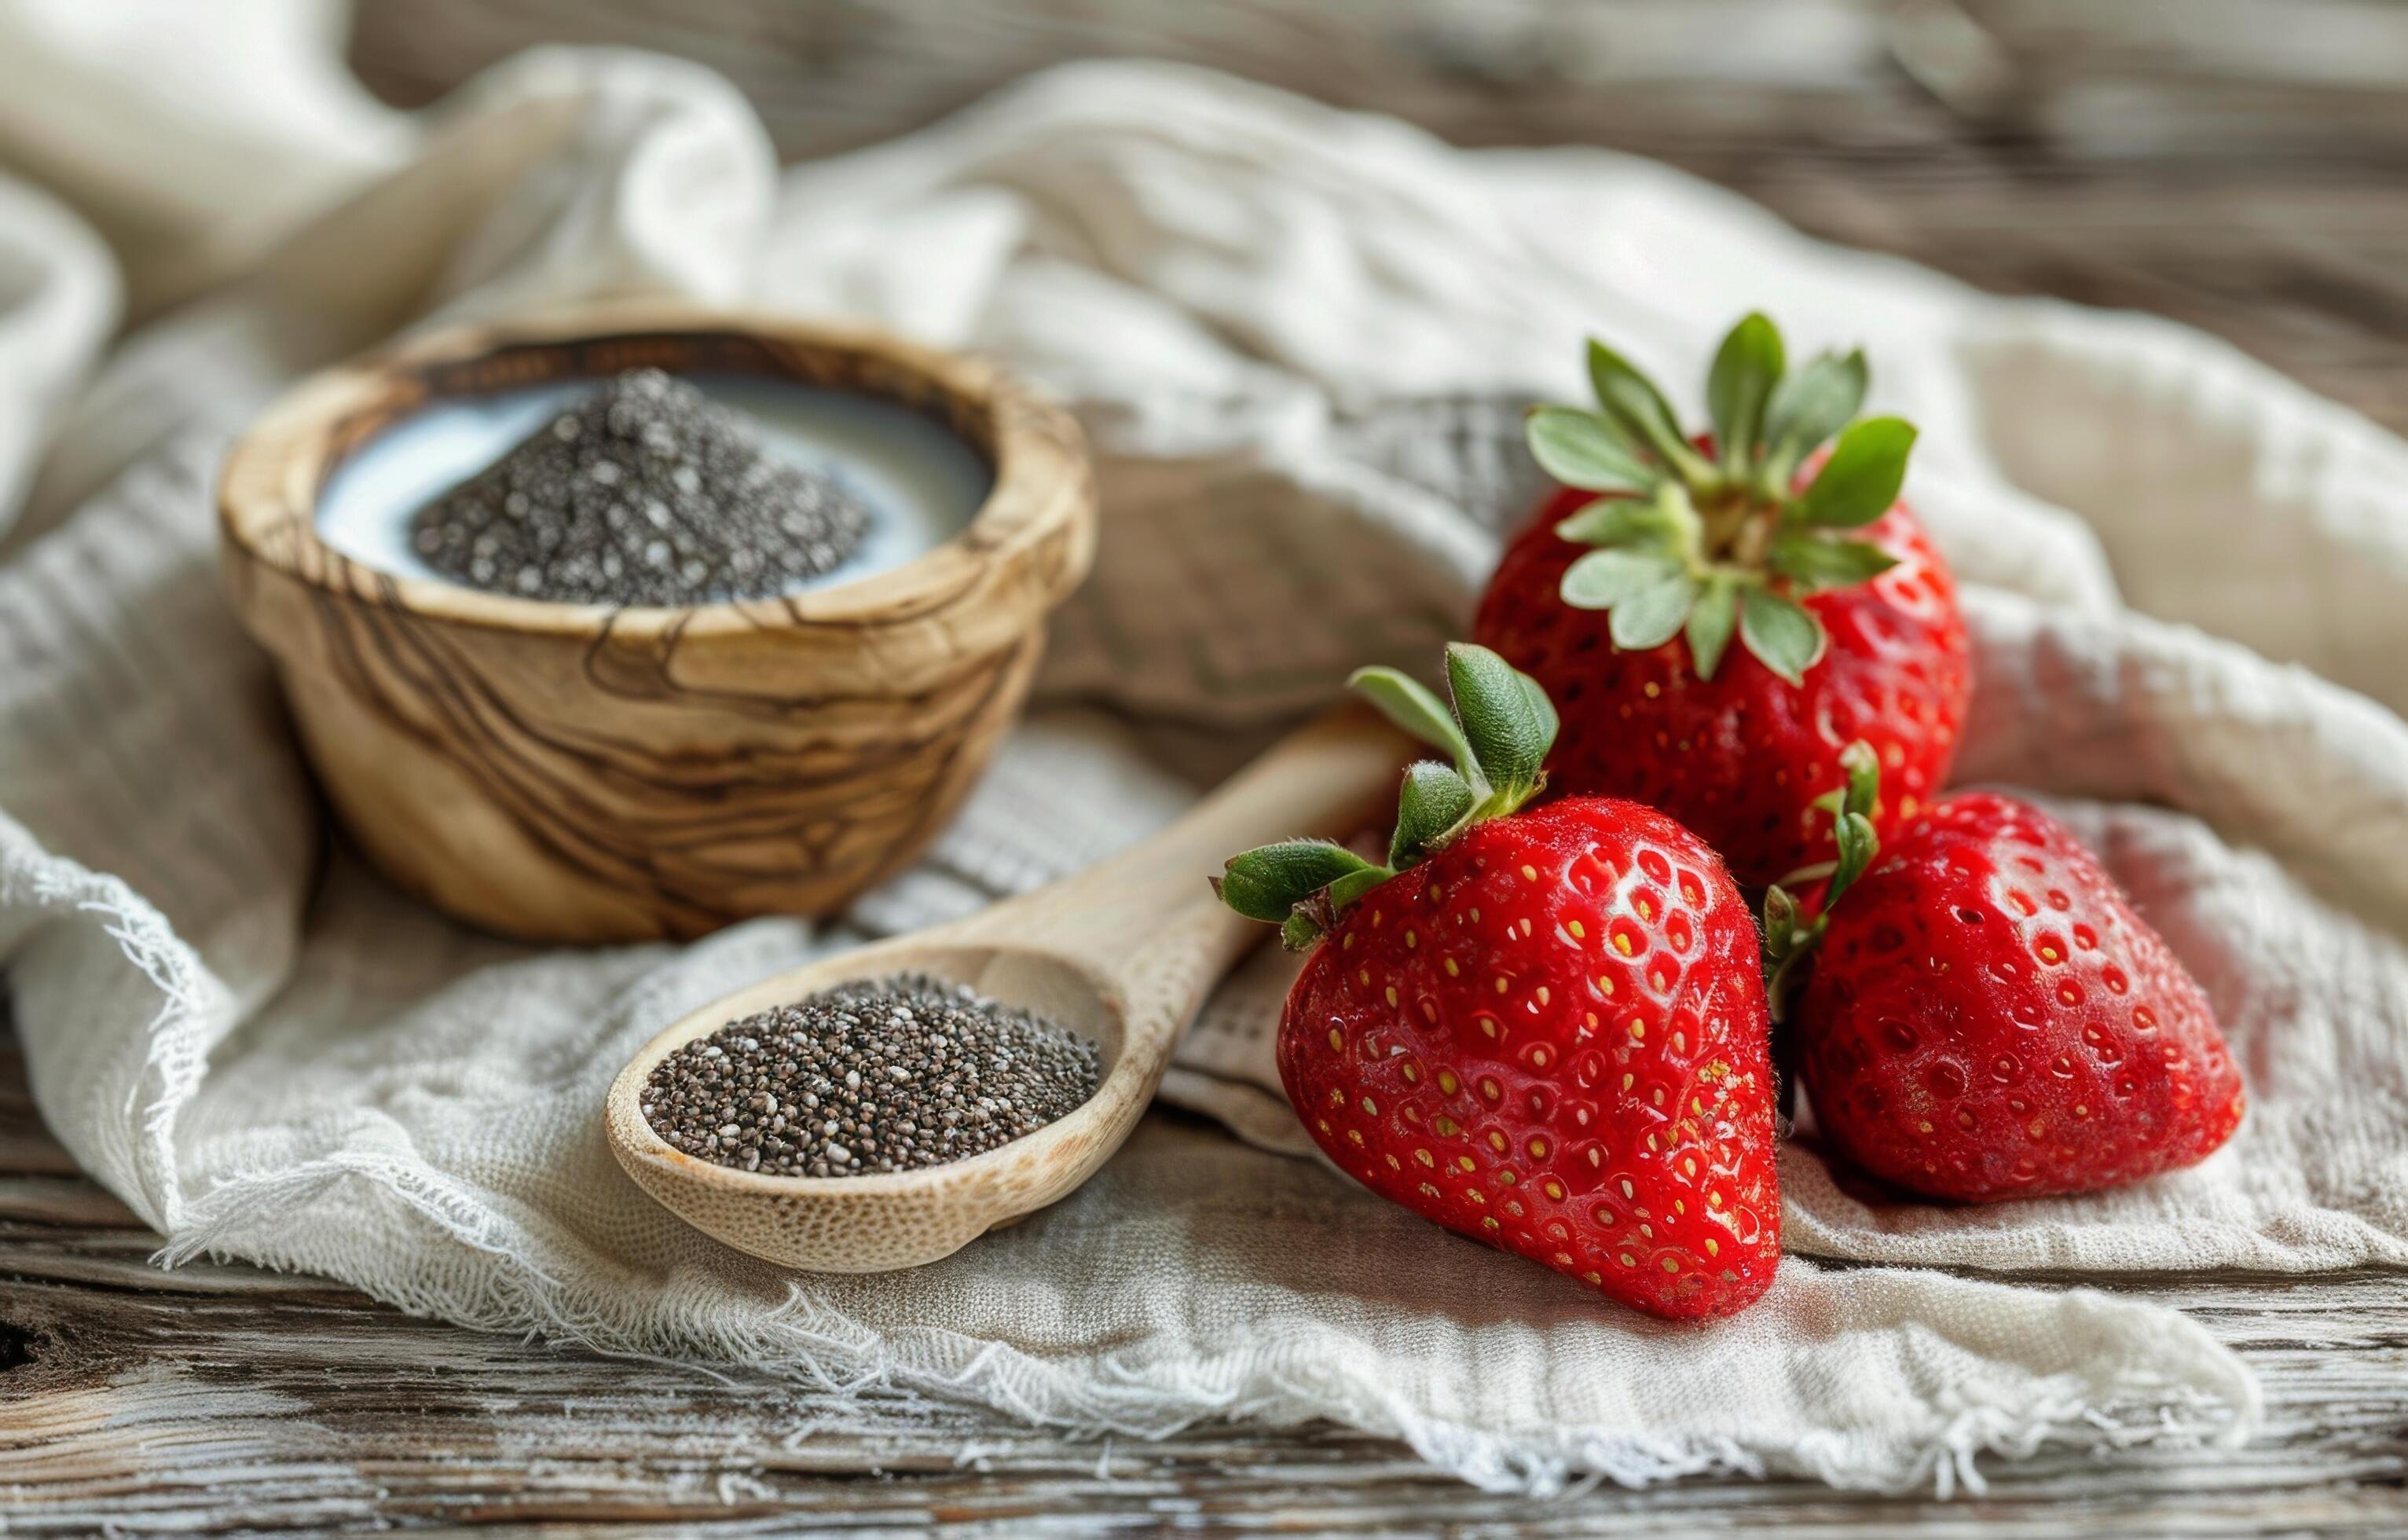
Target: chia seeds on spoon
<point x="643" y="492"/>
<point x="888" y="1074"/>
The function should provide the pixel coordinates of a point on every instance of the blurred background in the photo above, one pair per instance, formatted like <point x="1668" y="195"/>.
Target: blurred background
<point x="2240" y="165"/>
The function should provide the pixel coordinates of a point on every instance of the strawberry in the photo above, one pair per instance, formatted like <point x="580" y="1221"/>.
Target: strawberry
<point x="1545" y="1029"/>
<point x="1623" y="595"/>
<point x="1984" y="1017"/>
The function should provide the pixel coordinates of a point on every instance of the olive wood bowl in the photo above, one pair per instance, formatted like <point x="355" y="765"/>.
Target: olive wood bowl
<point x="570" y="772"/>
<point x="1122" y="953"/>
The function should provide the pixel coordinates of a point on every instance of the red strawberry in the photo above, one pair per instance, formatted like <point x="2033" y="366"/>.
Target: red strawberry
<point x="1548" y="1030"/>
<point x="1987" y="1018"/>
<point x="1621" y="597"/>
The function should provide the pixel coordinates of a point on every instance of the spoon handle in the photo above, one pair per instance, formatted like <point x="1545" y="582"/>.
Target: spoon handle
<point x="1330" y="778"/>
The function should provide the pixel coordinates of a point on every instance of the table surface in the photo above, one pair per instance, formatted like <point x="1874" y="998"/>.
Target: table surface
<point x="2243" y="167"/>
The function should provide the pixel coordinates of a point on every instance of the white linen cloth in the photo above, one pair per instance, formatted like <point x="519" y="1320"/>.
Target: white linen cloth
<point x="1300" y="339"/>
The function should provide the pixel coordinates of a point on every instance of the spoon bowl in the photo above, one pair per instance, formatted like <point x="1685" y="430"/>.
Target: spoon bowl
<point x="1122" y="955"/>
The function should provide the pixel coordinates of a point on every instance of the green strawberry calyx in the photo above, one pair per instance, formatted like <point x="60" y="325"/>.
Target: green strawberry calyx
<point x="1709" y="543"/>
<point x="1788" y="940"/>
<point x="1498" y="728"/>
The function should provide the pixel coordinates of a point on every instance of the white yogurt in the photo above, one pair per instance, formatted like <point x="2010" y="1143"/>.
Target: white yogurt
<point x="918" y="480"/>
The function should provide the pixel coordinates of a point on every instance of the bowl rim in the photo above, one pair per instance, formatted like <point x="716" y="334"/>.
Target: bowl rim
<point x="270" y="484"/>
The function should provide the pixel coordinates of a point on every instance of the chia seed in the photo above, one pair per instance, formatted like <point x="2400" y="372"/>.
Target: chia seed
<point x="644" y="492"/>
<point x="888" y="1074"/>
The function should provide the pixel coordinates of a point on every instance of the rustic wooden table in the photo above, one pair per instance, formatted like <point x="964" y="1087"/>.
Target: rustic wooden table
<point x="2240" y="165"/>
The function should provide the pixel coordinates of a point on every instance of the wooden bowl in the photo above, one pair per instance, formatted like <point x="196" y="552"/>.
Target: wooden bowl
<point x="570" y="772"/>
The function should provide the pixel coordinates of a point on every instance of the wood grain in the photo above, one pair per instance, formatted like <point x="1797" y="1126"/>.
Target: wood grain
<point x="223" y="1400"/>
<point x="583" y="772"/>
<point x="2240" y="165"/>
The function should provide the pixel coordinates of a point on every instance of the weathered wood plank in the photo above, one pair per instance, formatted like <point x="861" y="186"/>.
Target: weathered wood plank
<point x="2240" y="165"/>
<point x="136" y="1404"/>
<point x="224" y="1399"/>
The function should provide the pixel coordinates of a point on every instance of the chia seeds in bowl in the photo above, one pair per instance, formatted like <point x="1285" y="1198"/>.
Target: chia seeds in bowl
<point x="643" y="492"/>
<point x="890" y="1074"/>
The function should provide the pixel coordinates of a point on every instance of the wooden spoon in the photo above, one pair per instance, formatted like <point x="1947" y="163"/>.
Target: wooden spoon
<point x="1123" y="954"/>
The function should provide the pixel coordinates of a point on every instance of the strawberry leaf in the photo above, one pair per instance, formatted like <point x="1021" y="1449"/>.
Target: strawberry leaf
<point x="1509" y="738"/>
<point x="1632" y="400"/>
<point x="1863" y="792"/>
<point x="1269" y="882"/>
<point x="1614" y="521"/>
<point x="1858" y="842"/>
<point x="1811" y="405"/>
<point x="1435" y="800"/>
<point x="1352" y="886"/>
<point x="1780" y="920"/>
<point x="1745" y="370"/>
<point x="1711" y="623"/>
<point x="1786" y="639"/>
<point x="1603" y="578"/>
<point x="1817" y="561"/>
<point x="1413" y="708"/>
<point x="1852" y="827"/>
<point x="1586" y="449"/>
<point x="1860" y="481"/>
<point x="1654" y="615"/>
<point x="1542" y="708"/>
<point x="1786" y="945"/>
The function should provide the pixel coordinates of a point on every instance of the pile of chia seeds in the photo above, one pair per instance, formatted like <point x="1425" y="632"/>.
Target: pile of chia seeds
<point x="644" y="492"/>
<point x="888" y="1074"/>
